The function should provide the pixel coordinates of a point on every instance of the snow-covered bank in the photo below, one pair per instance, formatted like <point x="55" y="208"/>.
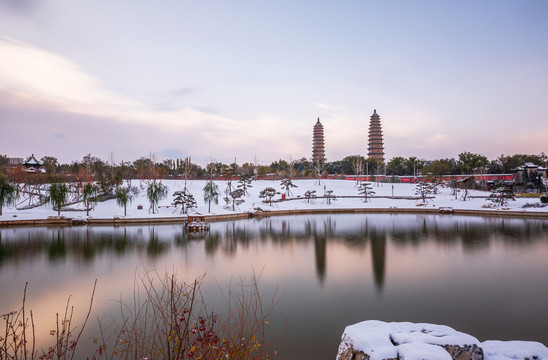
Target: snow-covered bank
<point x="386" y="196"/>
<point x="377" y="340"/>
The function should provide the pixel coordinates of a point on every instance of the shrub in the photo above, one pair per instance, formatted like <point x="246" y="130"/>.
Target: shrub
<point x="167" y="319"/>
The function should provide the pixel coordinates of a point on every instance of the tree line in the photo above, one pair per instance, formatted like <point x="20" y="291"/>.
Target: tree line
<point x="109" y="173"/>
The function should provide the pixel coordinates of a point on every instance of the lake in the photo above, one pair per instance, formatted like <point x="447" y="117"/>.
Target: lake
<point x="487" y="277"/>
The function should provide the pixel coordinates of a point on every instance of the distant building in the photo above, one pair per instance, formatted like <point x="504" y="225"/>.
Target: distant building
<point x="15" y="161"/>
<point x="318" y="144"/>
<point x="32" y="165"/>
<point x="376" y="146"/>
<point x="530" y="167"/>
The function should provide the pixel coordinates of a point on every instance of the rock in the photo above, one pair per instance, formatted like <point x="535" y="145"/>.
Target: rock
<point x="371" y="338"/>
<point x="514" y="350"/>
<point x="377" y="340"/>
<point x="465" y="352"/>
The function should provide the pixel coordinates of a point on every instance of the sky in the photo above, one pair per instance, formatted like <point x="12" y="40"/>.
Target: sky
<point x="222" y="80"/>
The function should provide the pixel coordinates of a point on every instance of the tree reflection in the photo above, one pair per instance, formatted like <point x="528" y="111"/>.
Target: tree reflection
<point x="354" y="231"/>
<point x="212" y="242"/>
<point x="320" y="252"/>
<point x="121" y="243"/>
<point x="57" y="248"/>
<point x="378" y="255"/>
<point x="155" y="247"/>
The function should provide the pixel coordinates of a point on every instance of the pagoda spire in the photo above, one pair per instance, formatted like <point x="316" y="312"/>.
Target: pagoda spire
<point x="376" y="145"/>
<point x="318" y="144"/>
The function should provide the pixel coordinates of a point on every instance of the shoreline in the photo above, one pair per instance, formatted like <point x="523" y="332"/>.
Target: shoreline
<point x="119" y="221"/>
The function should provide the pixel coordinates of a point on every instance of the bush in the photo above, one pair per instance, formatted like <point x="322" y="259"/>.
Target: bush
<point x="169" y="321"/>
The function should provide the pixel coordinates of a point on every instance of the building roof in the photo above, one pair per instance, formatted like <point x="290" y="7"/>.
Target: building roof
<point x="31" y="161"/>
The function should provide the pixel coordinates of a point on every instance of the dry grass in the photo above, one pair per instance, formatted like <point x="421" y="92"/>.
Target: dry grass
<point x="165" y="319"/>
<point x="19" y="331"/>
<point x="528" y="195"/>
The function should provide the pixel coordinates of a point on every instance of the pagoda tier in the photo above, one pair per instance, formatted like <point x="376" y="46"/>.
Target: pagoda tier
<point x="376" y="145"/>
<point x="318" y="144"/>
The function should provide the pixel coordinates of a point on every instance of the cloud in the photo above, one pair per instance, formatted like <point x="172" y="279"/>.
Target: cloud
<point x="20" y="6"/>
<point x="40" y="83"/>
<point x="324" y="106"/>
<point x="183" y="91"/>
<point x="172" y="153"/>
<point x="58" y="135"/>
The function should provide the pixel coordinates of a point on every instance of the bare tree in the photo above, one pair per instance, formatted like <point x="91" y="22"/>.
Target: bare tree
<point x="187" y="169"/>
<point x="357" y="166"/>
<point x="318" y="168"/>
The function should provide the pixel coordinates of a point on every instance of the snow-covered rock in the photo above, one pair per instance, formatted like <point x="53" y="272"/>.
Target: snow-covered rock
<point x="377" y="340"/>
<point x="514" y="350"/>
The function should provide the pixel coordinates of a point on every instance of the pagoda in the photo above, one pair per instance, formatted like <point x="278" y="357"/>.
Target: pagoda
<point x="318" y="144"/>
<point x="376" y="148"/>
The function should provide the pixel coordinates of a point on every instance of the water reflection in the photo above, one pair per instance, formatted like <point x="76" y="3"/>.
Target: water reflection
<point x="353" y="231"/>
<point x="331" y="270"/>
<point x="378" y="254"/>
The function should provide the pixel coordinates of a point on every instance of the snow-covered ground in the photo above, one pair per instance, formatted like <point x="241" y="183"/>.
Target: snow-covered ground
<point x="109" y="209"/>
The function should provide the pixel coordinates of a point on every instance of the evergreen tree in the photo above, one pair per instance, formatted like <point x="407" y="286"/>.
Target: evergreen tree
<point x="329" y="196"/>
<point x="500" y="196"/>
<point x="423" y="189"/>
<point x="58" y="195"/>
<point x="211" y="193"/>
<point x="310" y="195"/>
<point x="8" y="192"/>
<point x="365" y="190"/>
<point x="287" y="184"/>
<point x="244" y="183"/>
<point x="236" y="198"/>
<point x="268" y="194"/>
<point x="185" y="200"/>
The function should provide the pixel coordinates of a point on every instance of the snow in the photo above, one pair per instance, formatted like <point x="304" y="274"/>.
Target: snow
<point x="372" y="337"/>
<point x="508" y="350"/>
<point x="383" y="340"/>
<point x="415" y="341"/>
<point x="404" y="333"/>
<point x="422" y="351"/>
<point x="109" y="209"/>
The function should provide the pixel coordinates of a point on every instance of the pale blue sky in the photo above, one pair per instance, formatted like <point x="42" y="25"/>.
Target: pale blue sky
<point x="247" y="79"/>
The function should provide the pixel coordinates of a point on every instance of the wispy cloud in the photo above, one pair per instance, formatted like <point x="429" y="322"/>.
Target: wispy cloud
<point x="183" y="91"/>
<point x="35" y="78"/>
<point x="20" y="6"/>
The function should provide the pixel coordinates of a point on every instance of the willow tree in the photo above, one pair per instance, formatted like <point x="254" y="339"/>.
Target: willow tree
<point x="8" y="192"/>
<point x="156" y="191"/>
<point x="125" y="195"/>
<point x="58" y="195"/>
<point x="89" y="195"/>
<point x="211" y="193"/>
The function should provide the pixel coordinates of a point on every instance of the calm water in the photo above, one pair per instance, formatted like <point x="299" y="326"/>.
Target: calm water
<point x="484" y="276"/>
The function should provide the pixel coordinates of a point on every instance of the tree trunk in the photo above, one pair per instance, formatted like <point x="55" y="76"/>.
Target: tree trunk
<point x="209" y="209"/>
<point x="125" y="211"/>
<point x="59" y="210"/>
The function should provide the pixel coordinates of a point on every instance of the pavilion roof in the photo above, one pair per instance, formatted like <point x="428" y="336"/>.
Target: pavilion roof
<point x="31" y="161"/>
